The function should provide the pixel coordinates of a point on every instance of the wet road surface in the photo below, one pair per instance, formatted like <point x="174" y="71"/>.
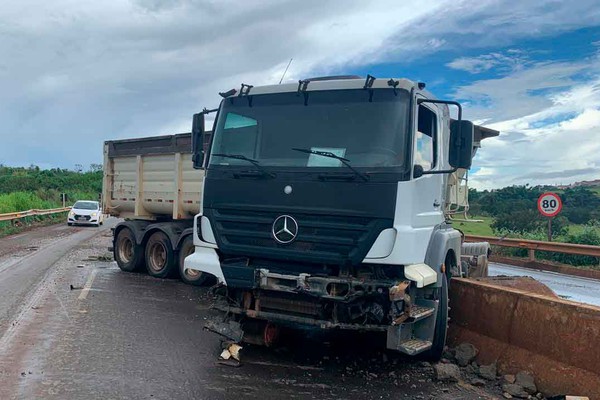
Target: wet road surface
<point x="86" y="330"/>
<point x="575" y="288"/>
<point x="25" y="259"/>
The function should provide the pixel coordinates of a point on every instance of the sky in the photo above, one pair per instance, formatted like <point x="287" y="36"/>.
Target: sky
<point x="74" y="73"/>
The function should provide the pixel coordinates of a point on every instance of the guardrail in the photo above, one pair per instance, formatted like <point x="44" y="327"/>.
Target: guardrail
<point x="29" y="213"/>
<point x="533" y="245"/>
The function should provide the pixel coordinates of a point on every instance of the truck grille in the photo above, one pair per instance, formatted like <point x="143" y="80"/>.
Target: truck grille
<point x="329" y="239"/>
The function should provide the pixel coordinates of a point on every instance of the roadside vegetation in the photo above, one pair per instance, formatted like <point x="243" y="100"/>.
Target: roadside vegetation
<point x="29" y="188"/>
<point x="512" y="212"/>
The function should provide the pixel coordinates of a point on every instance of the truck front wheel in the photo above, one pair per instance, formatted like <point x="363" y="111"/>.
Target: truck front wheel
<point x="129" y="256"/>
<point x="190" y="277"/>
<point x="441" y="323"/>
<point x="160" y="257"/>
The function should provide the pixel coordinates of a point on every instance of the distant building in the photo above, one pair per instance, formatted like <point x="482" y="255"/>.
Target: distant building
<point x="595" y="182"/>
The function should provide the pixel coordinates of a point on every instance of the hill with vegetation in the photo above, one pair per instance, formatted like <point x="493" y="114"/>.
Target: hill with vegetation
<point x="512" y="212"/>
<point x="26" y="188"/>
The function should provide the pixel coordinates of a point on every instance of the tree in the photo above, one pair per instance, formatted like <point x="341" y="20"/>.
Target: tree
<point x="95" y="167"/>
<point x="520" y="221"/>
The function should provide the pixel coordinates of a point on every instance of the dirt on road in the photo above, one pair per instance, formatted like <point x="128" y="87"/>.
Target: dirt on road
<point x="91" y="331"/>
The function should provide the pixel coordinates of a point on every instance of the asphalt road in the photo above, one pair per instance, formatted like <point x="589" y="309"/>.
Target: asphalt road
<point x="25" y="259"/>
<point x="569" y="287"/>
<point x="78" y="328"/>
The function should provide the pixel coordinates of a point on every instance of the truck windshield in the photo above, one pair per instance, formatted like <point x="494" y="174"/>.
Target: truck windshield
<point x="342" y="122"/>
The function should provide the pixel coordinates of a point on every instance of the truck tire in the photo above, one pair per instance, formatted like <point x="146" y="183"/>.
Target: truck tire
<point x="441" y="324"/>
<point x="195" y="278"/>
<point x="128" y="255"/>
<point x="160" y="257"/>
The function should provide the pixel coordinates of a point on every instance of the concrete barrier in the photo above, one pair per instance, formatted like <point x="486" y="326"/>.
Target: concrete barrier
<point x="557" y="340"/>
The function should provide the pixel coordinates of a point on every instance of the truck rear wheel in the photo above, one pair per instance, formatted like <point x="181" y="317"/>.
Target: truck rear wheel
<point x="160" y="257"/>
<point x="441" y="324"/>
<point x="129" y="256"/>
<point x="190" y="277"/>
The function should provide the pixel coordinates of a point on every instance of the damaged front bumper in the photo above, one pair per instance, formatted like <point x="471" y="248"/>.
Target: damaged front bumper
<point x="402" y="304"/>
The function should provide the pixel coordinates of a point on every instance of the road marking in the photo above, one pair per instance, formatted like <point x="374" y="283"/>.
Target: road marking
<point x="88" y="285"/>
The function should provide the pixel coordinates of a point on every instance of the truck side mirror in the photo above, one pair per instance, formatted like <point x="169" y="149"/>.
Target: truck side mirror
<point x="198" y="140"/>
<point x="461" y="144"/>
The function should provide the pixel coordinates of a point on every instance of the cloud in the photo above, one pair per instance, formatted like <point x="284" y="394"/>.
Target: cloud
<point x="561" y="174"/>
<point x="546" y="138"/>
<point x="76" y="73"/>
<point x="476" y="65"/>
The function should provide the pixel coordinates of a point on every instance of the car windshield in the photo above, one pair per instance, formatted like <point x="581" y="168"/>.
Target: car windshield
<point x="85" y="205"/>
<point x="368" y="128"/>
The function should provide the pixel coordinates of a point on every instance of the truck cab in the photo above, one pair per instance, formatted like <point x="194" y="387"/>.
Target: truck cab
<point x="324" y="206"/>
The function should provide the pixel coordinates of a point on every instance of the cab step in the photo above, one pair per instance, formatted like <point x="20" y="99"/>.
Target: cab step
<point x="419" y="312"/>
<point x="414" y="346"/>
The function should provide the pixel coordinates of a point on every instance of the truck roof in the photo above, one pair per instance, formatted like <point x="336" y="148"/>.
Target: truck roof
<point x="333" y="83"/>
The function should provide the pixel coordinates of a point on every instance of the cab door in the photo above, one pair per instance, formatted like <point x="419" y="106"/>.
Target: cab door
<point x="427" y="153"/>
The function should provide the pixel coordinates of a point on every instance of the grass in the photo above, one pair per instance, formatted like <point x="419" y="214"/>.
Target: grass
<point x="10" y="228"/>
<point x="484" y="228"/>
<point x="472" y="227"/>
<point x="23" y="201"/>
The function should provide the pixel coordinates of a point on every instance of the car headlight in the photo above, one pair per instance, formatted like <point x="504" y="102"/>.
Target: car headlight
<point x="93" y="214"/>
<point x="71" y="213"/>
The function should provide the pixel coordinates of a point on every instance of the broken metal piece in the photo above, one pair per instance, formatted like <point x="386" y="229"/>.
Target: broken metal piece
<point x="230" y="329"/>
<point x="398" y="291"/>
<point x="230" y="363"/>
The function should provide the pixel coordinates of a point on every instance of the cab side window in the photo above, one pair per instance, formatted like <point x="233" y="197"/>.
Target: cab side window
<point x="426" y="136"/>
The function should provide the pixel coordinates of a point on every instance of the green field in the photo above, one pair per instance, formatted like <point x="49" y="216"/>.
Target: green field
<point x="481" y="226"/>
<point x="473" y="227"/>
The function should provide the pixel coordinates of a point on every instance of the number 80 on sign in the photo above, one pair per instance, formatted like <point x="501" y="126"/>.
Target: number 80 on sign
<point x="549" y="204"/>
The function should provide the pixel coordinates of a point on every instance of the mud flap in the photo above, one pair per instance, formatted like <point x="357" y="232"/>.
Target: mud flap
<point x="230" y="330"/>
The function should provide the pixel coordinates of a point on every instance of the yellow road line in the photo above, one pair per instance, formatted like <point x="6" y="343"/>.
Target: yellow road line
<point x="88" y="285"/>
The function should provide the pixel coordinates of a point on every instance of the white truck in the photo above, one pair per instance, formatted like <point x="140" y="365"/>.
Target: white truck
<point x="324" y="205"/>
<point x="320" y="204"/>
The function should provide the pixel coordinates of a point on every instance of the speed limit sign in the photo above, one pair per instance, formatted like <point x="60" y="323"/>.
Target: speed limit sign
<point x="549" y="204"/>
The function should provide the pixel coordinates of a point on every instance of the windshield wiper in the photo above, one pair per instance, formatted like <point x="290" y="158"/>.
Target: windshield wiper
<point x="250" y="160"/>
<point x="344" y="161"/>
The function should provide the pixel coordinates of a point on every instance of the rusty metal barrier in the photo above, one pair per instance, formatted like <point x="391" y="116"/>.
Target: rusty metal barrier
<point x="29" y="213"/>
<point x="533" y="245"/>
<point x="557" y="340"/>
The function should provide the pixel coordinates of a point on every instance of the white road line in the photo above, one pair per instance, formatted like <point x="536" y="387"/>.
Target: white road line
<point x="88" y="285"/>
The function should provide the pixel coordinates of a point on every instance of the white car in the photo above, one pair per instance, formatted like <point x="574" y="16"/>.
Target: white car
<point x="85" y="213"/>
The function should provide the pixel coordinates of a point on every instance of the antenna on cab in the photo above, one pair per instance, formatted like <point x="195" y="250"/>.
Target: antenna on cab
<point x="284" y="72"/>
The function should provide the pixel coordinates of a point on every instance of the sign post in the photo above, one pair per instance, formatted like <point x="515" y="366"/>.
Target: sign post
<point x="549" y="205"/>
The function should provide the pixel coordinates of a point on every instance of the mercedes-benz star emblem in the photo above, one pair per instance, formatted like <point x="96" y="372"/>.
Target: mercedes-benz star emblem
<point x="285" y="229"/>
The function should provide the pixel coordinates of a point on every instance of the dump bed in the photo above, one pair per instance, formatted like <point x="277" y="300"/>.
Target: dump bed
<point x="151" y="178"/>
